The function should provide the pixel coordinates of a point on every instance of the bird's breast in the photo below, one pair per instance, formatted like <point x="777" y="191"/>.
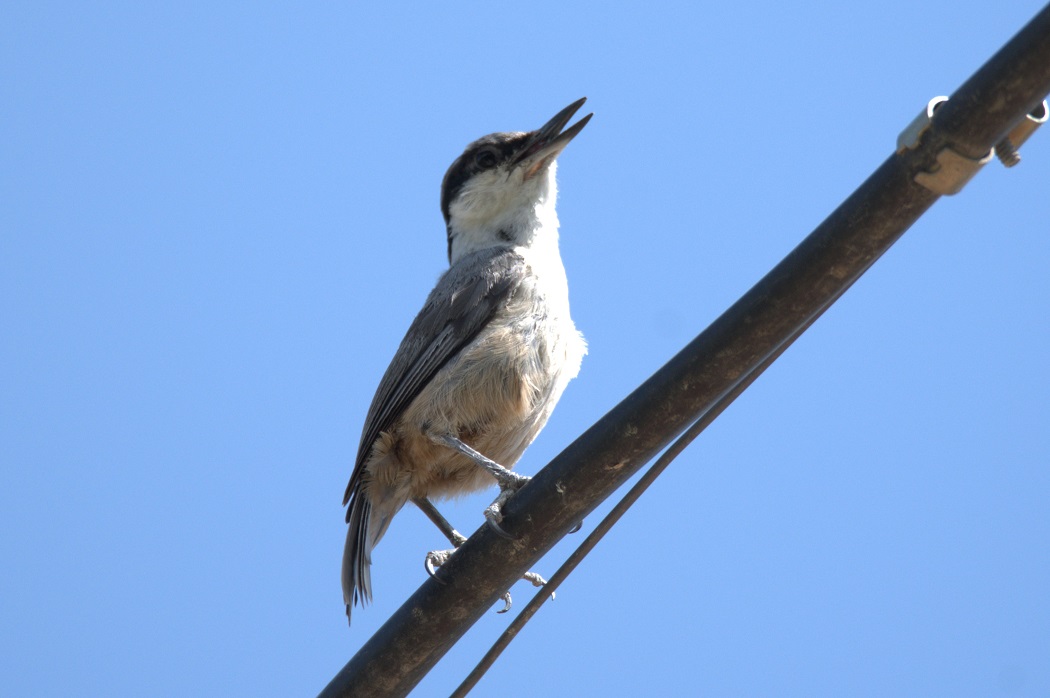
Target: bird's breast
<point x="496" y="393"/>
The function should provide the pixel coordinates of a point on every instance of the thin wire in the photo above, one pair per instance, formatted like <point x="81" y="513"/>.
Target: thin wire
<point x="617" y="513"/>
<point x="577" y="557"/>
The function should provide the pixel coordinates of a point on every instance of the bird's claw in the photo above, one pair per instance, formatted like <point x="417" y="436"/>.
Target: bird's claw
<point x="535" y="580"/>
<point x="510" y="483"/>
<point x="532" y="578"/>
<point x="507" y="489"/>
<point x="435" y="559"/>
<point x="492" y="518"/>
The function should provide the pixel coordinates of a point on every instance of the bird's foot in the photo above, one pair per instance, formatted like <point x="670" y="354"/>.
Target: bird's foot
<point x="507" y="488"/>
<point x="436" y="558"/>
<point x="533" y="579"/>
<point x="509" y="481"/>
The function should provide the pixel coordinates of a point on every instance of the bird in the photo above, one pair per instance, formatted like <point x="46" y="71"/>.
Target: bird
<point x="483" y="364"/>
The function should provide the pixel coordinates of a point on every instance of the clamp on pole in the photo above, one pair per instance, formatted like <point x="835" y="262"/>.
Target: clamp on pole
<point x="1006" y="149"/>
<point x="952" y="170"/>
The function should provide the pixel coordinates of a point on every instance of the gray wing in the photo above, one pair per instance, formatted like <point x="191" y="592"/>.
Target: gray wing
<point x="464" y="300"/>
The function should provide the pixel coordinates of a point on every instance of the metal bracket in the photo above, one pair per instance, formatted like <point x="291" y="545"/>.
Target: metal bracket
<point x="912" y="134"/>
<point x="1006" y="149"/>
<point x="952" y="170"/>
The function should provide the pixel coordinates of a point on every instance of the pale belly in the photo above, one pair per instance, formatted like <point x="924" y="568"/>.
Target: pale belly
<point x="495" y="395"/>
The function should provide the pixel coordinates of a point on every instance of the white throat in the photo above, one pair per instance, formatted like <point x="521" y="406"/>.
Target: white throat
<point x="499" y="209"/>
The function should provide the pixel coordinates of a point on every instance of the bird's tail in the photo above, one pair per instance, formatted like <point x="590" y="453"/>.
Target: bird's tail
<point x="366" y="526"/>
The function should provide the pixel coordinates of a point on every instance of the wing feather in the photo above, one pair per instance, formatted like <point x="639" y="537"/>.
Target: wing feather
<point x="463" y="302"/>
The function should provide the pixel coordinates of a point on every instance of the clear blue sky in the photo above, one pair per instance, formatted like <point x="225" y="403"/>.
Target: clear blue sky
<point x="218" y="220"/>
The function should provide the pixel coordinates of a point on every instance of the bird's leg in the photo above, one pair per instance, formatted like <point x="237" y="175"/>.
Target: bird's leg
<point x="454" y="537"/>
<point x="507" y="479"/>
<point x="436" y="558"/>
<point x="509" y="482"/>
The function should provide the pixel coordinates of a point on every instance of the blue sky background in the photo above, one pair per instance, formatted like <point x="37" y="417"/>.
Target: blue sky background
<point x="218" y="220"/>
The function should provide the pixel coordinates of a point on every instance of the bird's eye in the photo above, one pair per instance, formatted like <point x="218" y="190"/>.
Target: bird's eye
<point x="485" y="159"/>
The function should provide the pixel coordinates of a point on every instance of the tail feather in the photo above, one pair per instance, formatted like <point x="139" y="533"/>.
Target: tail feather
<point x="357" y="555"/>
<point x="366" y="527"/>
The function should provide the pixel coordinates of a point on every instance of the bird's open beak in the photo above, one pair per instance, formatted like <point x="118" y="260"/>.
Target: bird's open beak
<point x="548" y="142"/>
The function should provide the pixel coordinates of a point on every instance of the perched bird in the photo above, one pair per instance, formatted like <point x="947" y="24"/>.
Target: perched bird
<point x="483" y="364"/>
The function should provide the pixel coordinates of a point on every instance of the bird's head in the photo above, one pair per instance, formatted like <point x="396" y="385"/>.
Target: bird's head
<point x="501" y="190"/>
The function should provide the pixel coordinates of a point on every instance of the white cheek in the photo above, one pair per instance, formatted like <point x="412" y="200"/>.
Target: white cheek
<point x="481" y="199"/>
